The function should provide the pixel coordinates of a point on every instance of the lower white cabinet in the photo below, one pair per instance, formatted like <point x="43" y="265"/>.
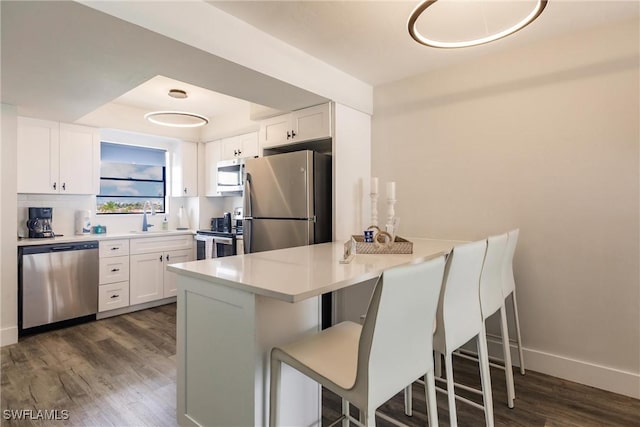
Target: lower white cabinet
<point x="149" y="279"/>
<point x="112" y="296"/>
<point x="133" y="271"/>
<point x="170" y="287"/>
<point x="114" y="269"/>
<point x="146" y="281"/>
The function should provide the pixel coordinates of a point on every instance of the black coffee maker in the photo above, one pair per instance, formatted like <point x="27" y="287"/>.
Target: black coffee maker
<point x="39" y="223"/>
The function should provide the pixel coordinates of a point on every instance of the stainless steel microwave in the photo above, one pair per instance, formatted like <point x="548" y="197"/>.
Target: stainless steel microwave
<point x="230" y="174"/>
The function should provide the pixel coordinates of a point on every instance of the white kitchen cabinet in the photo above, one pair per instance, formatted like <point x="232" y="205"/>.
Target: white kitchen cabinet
<point x="184" y="174"/>
<point x="114" y="269"/>
<point x="173" y="257"/>
<point x="57" y="158"/>
<point x="113" y="273"/>
<point x="304" y="125"/>
<point x="79" y="159"/>
<point x="148" y="261"/>
<point x="146" y="281"/>
<point x="113" y="248"/>
<point x="38" y="156"/>
<point x="112" y="296"/>
<point x="213" y="154"/>
<point x="240" y="146"/>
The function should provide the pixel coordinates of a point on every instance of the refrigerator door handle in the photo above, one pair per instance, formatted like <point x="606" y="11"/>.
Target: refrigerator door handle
<point x="246" y="202"/>
<point x="246" y="235"/>
<point x="246" y="223"/>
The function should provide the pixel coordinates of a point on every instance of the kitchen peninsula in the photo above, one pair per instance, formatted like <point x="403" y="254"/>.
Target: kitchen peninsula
<point x="233" y="310"/>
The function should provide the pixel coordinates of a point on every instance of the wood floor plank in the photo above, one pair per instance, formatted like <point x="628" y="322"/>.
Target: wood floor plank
<point x="121" y="372"/>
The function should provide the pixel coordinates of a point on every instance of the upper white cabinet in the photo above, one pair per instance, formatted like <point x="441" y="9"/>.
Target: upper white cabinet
<point x="184" y="177"/>
<point x="212" y="155"/>
<point x="245" y="145"/>
<point x="303" y="125"/>
<point x="57" y="158"/>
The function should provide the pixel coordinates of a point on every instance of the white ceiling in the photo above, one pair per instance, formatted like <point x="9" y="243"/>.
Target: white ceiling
<point x="369" y="39"/>
<point x="62" y="60"/>
<point x="153" y="95"/>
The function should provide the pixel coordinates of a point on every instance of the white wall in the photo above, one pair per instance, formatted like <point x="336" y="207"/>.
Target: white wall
<point x="8" y="253"/>
<point x="545" y="139"/>
<point x="351" y="171"/>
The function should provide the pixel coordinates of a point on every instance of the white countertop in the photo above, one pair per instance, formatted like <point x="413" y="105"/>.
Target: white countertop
<point x="105" y="236"/>
<point x="295" y="274"/>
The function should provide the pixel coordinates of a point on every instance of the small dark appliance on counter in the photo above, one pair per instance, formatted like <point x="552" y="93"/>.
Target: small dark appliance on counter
<point x="39" y="223"/>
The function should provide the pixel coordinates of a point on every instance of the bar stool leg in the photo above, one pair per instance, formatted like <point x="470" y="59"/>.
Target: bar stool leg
<point x="345" y="412"/>
<point x="515" y="313"/>
<point x="438" y="364"/>
<point x="506" y="350"/>
<point x="451" y="392"/>
<point x="432" y="404"/>
<point x="485" y="377"/>
<point x="408" y="401"/>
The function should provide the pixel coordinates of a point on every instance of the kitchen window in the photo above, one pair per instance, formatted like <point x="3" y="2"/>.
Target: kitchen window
<point x="130" y="176"/>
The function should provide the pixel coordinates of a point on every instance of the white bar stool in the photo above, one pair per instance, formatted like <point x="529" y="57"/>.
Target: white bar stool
<point x="460" y="319"/>
<point x="367" y="365"/>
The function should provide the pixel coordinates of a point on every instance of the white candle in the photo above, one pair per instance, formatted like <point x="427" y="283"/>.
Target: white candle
<point x="391" y="190"/>
<point x="374" y="185"/>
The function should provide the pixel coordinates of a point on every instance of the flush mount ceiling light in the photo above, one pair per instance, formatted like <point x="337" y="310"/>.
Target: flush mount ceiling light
<point x="455" y="24"/>
<point x="178" y="93"/>
<point x="177" y="119"/>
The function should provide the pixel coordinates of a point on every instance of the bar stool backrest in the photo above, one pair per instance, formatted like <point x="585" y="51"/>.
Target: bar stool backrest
<point x="508" y="281"/>
<point x="491" y="297"/>
<point x="396" y="345"/>
<point x="459" y="314"/>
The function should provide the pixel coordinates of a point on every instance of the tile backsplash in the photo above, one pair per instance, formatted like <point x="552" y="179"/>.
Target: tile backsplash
<point x="65" y="207"/>
<point x="64" y="210"/>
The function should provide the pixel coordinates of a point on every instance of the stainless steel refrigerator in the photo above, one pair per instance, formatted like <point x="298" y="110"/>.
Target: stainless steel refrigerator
<point x="287" y="201"/>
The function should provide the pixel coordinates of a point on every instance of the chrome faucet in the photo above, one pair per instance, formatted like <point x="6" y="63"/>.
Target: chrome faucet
<point x="145" y="224"/>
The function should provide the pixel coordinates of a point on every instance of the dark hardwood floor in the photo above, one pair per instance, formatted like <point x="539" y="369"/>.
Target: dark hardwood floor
<point x="121" y="372"/>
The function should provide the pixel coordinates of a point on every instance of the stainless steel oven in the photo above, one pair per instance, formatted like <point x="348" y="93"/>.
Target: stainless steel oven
<point x="213" y="244"/>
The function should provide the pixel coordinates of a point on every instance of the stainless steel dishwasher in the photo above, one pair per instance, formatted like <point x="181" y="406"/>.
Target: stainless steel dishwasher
<point x="57" y="283"/>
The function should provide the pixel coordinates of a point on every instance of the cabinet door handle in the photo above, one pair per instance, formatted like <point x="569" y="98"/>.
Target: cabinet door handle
<point x="167" y="257"/>
<point x="239" y="152"/>
<point x="288" y="135"/>
<point x="293" y="134"/>
<point x="64" y="186"/>
<point x="160" y="258"/>
<point x="113" y="270"/>
<point x="115" y="296"/>
<point x="55" y="186"/>
<point x="185" y="190"/>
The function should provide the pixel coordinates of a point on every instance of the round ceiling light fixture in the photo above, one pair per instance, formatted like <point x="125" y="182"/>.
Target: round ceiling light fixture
<point x="465" y="13"/>
<point x="176" y="119"/>
<point x="178" y="93"/>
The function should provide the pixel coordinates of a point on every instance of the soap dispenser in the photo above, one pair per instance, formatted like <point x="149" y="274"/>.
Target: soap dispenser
<point x="165" y="223"/>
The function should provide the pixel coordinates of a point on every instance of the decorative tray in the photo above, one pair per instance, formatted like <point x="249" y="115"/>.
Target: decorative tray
<point x="357" y="245"/>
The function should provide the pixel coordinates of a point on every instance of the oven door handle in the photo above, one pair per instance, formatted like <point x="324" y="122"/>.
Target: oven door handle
<point x="223" y="240"/>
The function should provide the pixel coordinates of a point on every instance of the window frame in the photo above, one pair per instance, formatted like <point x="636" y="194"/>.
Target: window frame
<point x="151" y="198"/>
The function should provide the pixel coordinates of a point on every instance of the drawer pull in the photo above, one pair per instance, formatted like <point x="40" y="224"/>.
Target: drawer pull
<point x="113" y="270"/>
<point x="115" y="296"/>
<point x="115" y="248"/>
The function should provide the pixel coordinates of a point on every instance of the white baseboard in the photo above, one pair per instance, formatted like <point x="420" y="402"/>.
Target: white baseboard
<point x="603" y="377"/>
<point x="8" y="336"/>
